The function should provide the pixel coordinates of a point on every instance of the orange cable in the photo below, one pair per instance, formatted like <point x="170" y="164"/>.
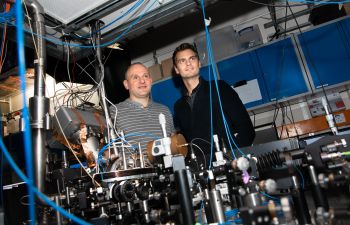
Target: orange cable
<point x="8" y="6"/>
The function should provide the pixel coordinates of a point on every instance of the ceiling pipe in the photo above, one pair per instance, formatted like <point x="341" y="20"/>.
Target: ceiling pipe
<point x="39" y="104"/>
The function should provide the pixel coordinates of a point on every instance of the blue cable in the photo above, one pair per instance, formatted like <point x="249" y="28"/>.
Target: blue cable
<point x="27" y="132"/>
<point x="211" y="121"/>
<point x="201" y="212"/>
<point x="210" y="88"/>
<point x="41" y="195"/>
<point x="212" y="63"/>
<point x="269" y="196"/>
<point x="104" y="148"/>
<point x="8" y="17"/>
<point x="125" y="136"/>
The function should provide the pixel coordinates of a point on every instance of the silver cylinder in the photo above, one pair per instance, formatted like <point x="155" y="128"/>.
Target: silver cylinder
<point x="58" y="214"/>
<point x="216" y="206"/>
<point x="145" y="210"/>
<point x="252" y="199"/>
<point x="142" y="161"/>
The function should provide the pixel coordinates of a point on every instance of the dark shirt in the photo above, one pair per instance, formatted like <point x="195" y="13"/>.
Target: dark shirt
<point x="194" y="121"/>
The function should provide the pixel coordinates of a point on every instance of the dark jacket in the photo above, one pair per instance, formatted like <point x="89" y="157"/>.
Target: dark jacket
<point x="195" y="122"/>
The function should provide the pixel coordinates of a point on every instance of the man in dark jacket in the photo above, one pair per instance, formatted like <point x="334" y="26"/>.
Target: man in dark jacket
<point x="193" y="110"/>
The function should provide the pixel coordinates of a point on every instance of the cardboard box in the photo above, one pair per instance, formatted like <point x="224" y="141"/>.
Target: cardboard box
<point x="347" y="8"/>
<point x="156" y="72"/>
<point x="167" y="67"/>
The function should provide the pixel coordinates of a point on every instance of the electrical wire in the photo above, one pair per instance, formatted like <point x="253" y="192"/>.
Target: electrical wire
<point x="31" y="29"/>
<point x="104" y="148"/>
<point x="301" y="3"/>
<point x="2" y="47"/>
<point x="311" y="61"/>
<point x="135" y="6"/>
<point x="346" y="153"/>
<point x="2" y="59"/>
<point x="320" y="2"/>
<point x="271" y="5"/>
<point x="204" y="158"/>
<point x="212" y="63"/>
<point x="70" y="147"/>
<point x="269" y="196"/>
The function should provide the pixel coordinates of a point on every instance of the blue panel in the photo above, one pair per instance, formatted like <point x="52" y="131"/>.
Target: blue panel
<point x="282" y="73"/>
<point x="242" y="67"/>
<point x="327" y="54"/>
<point x="167" y="92"/>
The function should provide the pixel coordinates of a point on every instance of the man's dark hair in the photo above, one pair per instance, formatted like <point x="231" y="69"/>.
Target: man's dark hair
<point x="182" y="47"/>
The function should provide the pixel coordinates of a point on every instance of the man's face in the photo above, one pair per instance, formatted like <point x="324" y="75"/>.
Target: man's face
<point x="187" y="64"/>
<point x="138" y="81"/>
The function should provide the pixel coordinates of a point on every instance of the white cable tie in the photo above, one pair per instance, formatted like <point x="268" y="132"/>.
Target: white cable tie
<point x="207" y="22"/>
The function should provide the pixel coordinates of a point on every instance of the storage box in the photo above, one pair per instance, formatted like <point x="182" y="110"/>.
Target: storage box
<point x="347" y="8"/>
<point x="167" y="67"/>
<point x="156" y="72"/>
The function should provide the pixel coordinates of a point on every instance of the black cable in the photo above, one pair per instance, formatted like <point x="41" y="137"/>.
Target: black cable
<point x="272" y="10"/>
<point x="312" y="62"/>
<point x="285" y="22"/>
<point x="283" y="123"/>
<point x="275" y="114"/>
<point x="273" y="5"/>
<point x="291" y="113"/>
<point x="253" y="118"/>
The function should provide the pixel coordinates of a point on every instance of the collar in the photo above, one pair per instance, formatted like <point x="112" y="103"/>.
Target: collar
<point x="137" y="104"/>
<point x="195" y="90"/>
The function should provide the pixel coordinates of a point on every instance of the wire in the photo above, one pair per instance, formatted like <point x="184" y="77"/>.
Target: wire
<point x="301" y="3"/>
<point x="135" y="6"/>
<point x="31" y="29"/>
<point x="71" y="149"/>
<point x="2" y="59"/>
<point x="269" y="196"/>
<point x="194" y="139"/>
<point x="346" y="153"/>
<point x="311" y="60"/>
<point x="104" y="148"/>
<point x="321" y="2"/>
<point x="201" y="212"/>
<point x="204" y="158"/>
<point x="212" y="63"/>
<point x="274" y="5"/>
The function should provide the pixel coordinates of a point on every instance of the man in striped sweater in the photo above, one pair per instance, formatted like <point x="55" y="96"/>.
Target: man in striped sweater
<point x="138" y="116"/>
